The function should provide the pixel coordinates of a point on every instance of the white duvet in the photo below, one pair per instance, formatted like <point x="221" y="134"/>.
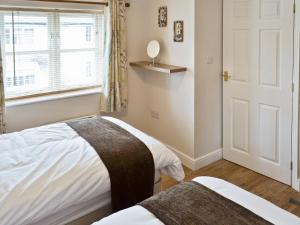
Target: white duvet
<point x="51" y="168"/>
<point x="137" y="215"/>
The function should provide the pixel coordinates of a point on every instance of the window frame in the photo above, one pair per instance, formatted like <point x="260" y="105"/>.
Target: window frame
<point x="54" y="50"/>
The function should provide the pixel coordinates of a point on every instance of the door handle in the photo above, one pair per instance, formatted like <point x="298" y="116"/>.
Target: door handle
<point x="226" y="76"/>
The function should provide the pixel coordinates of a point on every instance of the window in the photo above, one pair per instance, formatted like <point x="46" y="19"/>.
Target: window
<point x="19" y="81"/>
<point x="88" y="69"/>
<point x="28" y="36"/>
<point x="88" y="33"/>
<point x="46" y="52"/>
<point x="8" y="82"/>
<point x="7" y="36"/>
<point x="29" y="79"/>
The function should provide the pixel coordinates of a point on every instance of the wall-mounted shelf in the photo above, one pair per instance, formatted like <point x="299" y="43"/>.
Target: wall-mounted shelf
<point x="164" y="68"/>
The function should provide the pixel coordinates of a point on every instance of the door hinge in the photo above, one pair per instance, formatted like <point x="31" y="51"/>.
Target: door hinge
<point x="293" y="87"/>
<point x="291" y="165"/>
<point x="294" y="8"/>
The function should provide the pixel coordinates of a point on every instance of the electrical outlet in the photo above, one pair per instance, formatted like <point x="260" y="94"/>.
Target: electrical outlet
<point x="155" y="115"/>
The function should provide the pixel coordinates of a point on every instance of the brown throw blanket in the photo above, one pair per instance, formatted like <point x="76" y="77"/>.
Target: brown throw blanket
<point x="193" y="204"/>
<point x="129" y="162"/>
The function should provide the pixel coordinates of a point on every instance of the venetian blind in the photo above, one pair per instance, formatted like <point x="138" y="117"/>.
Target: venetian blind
<point x="46" y="52"/>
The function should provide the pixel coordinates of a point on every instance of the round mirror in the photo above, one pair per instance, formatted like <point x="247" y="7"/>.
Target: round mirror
<point x="153" y="49"/>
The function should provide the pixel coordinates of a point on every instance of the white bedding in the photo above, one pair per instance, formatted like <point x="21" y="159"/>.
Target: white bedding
<point x="137" y="215"/>
<point x="51" y="168"/>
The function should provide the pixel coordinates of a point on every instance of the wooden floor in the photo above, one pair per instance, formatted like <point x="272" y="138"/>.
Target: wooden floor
<point x="274" y="191"/>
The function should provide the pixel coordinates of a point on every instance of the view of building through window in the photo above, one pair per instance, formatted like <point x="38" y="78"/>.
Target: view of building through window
<point x="50" y="51"/>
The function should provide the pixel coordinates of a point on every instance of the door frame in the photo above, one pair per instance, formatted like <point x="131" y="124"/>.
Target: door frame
<point x="295" y="86"/>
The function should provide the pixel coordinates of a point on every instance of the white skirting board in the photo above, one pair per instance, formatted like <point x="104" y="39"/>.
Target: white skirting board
<point x="209" y="159"/>
<point x="200" y="162"/>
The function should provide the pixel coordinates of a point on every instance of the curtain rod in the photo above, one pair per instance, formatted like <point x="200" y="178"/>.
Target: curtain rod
<point x="80" y="2"/>
<point x="71" y="1"/>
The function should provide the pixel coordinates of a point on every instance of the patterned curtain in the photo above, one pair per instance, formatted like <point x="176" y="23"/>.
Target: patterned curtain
<point x="114" y="97"/>
<point x="2" y="99"/>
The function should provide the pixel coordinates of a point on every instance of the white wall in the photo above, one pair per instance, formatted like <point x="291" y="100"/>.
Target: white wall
<point x="40" y="113"/>
<point x="208" y="100"/>
<point x="189" y="104"/>
<point x="171" y="96"/>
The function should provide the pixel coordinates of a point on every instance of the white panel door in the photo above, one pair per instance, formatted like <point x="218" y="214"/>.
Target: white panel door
<point x="257" y="111"/>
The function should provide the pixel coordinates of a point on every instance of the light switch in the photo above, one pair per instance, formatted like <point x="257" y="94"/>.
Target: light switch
<point x="210" y="60"/>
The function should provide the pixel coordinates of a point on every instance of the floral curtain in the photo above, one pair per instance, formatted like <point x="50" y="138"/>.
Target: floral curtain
<point x="2" y="99"/>
<point x="114" y="97"/>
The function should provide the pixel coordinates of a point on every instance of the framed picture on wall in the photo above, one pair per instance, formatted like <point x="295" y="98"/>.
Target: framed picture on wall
<point x="178" y="31"/>
<point x="163" y="16"/>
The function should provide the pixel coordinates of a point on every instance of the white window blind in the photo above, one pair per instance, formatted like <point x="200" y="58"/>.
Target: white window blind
<point x="47" y="52"/>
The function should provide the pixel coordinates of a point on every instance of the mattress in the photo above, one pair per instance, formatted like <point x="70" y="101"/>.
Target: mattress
<point x="137" y="215"/>
<point x="48" y="170"/>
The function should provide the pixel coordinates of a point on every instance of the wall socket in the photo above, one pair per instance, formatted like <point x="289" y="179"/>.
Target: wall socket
<point x="155" y="115"/>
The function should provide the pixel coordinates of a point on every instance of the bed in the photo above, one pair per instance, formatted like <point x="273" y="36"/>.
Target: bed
<point x="138" y="215"/>
<point x="50" y="175"/>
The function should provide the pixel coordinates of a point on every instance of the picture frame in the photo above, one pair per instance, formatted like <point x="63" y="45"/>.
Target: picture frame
<point x="178" y="31"/>
<point x="163" y="16"/>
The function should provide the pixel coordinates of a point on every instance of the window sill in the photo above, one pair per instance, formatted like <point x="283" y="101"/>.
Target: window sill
<point x="34" y="100"/>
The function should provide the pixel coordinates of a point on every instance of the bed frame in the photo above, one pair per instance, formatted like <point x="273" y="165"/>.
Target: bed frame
<point x="105" y="211"/>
